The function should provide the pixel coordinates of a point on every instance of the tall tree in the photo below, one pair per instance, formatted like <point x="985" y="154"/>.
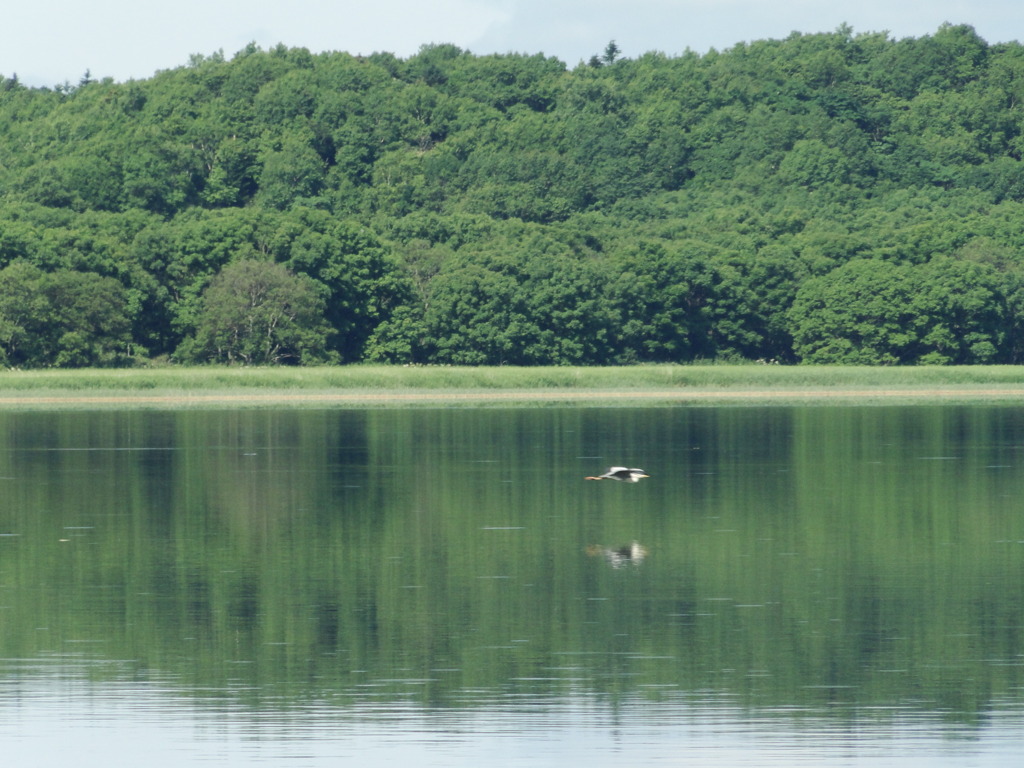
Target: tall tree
<point x="63" y="319"/>
<point x="258" y="313"/>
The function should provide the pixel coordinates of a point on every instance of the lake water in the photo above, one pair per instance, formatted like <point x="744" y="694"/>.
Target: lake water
<point x="821" y="586"/>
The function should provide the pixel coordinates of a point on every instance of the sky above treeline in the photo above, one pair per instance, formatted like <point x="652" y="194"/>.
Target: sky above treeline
<point x="50" y="42"/>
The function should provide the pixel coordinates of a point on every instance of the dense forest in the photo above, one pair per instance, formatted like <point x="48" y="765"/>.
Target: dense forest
<point x="826" y="198"/>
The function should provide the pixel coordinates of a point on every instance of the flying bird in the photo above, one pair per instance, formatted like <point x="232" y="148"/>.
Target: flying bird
<point x="622" y="474"/>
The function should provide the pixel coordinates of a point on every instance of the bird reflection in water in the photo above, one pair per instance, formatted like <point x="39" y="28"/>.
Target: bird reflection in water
<point x="619" y="557"/>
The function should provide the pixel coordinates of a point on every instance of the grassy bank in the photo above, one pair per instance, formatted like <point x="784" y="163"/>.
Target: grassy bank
<point x="401" y="378"/>
<point x="396" y="385"/>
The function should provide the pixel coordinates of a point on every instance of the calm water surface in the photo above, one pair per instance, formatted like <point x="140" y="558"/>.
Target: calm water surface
<point x="806" y="586"/>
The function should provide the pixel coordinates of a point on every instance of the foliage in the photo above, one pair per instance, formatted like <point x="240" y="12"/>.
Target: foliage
<point x="257" y="313"/>
<point x="62" y="318"/>
<point x="832" y="197"/>
<point x="878" y="313"/>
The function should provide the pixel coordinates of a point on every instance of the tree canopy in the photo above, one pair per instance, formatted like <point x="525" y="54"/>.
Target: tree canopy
<point x="832" y="198"/>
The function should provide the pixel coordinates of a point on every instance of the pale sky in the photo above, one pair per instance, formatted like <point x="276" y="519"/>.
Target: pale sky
<point x="47" y="42"/>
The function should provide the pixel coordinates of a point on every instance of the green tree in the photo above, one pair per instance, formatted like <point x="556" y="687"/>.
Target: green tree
<point x="360" y="280"/>
<point x="258" y="313"/>
<point x="62" y="319"/>
<point x="291" y="170"/>
<point x="964" y="312"/>
<point x="23" y="307"/>
<point x="611" y="53"/>
<point x="872" y="312"/>
<point x="857" y="314"/>
<point x="662" y="299"/>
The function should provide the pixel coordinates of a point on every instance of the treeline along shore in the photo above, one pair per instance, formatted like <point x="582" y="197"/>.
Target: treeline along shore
<point x="831" y="198"/>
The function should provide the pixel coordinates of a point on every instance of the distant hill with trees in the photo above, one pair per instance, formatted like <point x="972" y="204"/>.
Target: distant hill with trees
<point x="829" y="198"/>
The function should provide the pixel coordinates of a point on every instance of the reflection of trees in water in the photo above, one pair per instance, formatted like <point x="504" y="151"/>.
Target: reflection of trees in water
<point x="805" y="555"/>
